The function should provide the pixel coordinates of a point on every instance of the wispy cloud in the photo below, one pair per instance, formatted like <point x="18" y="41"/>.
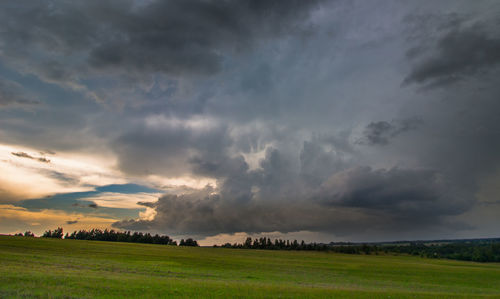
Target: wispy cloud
<point x="25" y="155"/>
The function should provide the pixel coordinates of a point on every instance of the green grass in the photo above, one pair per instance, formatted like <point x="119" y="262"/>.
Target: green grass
<point x="37" y="267"/>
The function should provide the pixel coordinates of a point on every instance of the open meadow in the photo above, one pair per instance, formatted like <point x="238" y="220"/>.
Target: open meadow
<point x="40" y="267"/>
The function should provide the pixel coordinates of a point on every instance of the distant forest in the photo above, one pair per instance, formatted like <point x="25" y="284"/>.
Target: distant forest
<point x="477" y="250"/>
<point x="114" y="236"/>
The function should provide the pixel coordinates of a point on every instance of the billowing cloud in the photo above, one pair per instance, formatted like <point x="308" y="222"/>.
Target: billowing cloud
<point x="271" y="199"/>
<point x="205" y="214"/>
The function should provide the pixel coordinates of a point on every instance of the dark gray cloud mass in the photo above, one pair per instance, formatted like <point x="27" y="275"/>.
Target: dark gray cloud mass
<point x="203" y="214"/>
<point x="130" y="37"/>
<point x="295" y="109"/>
<point x="416" y="195"/>
<point x="463" y="50"/>
<point x="274" y="198"/>
<point x="355" y="200"/>
<point x="188" y="36"/>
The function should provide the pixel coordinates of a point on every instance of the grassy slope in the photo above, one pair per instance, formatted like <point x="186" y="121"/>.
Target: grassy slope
<point x="72" y="268"/>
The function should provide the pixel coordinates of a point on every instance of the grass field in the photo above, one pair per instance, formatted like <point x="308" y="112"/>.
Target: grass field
<point x="31" y="267"/>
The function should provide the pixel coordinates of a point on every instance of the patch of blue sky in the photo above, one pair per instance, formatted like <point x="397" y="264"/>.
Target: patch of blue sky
<point x="76" y="201"/>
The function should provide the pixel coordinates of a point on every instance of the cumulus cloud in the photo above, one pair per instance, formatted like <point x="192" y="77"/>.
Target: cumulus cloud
<point x="204" y="213"/>
<point x="356" y="200"/>
<point x="273" y="198"/>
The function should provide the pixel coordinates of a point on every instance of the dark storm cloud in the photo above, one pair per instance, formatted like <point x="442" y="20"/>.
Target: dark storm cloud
<point x="460" y="52"/>
<point x="173" y="37"/>
<point x="188" y="36"/>
<point x="273" y="198"/>
<point x="205" y="214"/>
<point x="388" y="200"/>
<point x="379" y="133"/>
<point x="234" y="206"/>
<point x="417" y="194"/>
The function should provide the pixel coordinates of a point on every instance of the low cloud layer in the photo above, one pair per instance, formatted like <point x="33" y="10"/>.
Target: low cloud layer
<point x="358" y="199"/>
<point x="273" y="198"/>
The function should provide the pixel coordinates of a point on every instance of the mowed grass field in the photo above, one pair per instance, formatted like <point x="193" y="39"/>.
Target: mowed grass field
<point x="37" y="267"/>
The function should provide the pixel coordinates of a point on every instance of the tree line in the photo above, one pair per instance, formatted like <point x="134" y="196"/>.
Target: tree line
<point x="117" y="236"/>
<point x="279" y="244"/>
<point x="476" y="251"/>
<point x="472" y="250"/>
<point x="26" y="234"/>
<point x="114" y="236"/>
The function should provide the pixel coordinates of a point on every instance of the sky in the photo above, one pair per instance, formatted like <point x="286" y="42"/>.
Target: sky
<point x="316" y="120"/>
